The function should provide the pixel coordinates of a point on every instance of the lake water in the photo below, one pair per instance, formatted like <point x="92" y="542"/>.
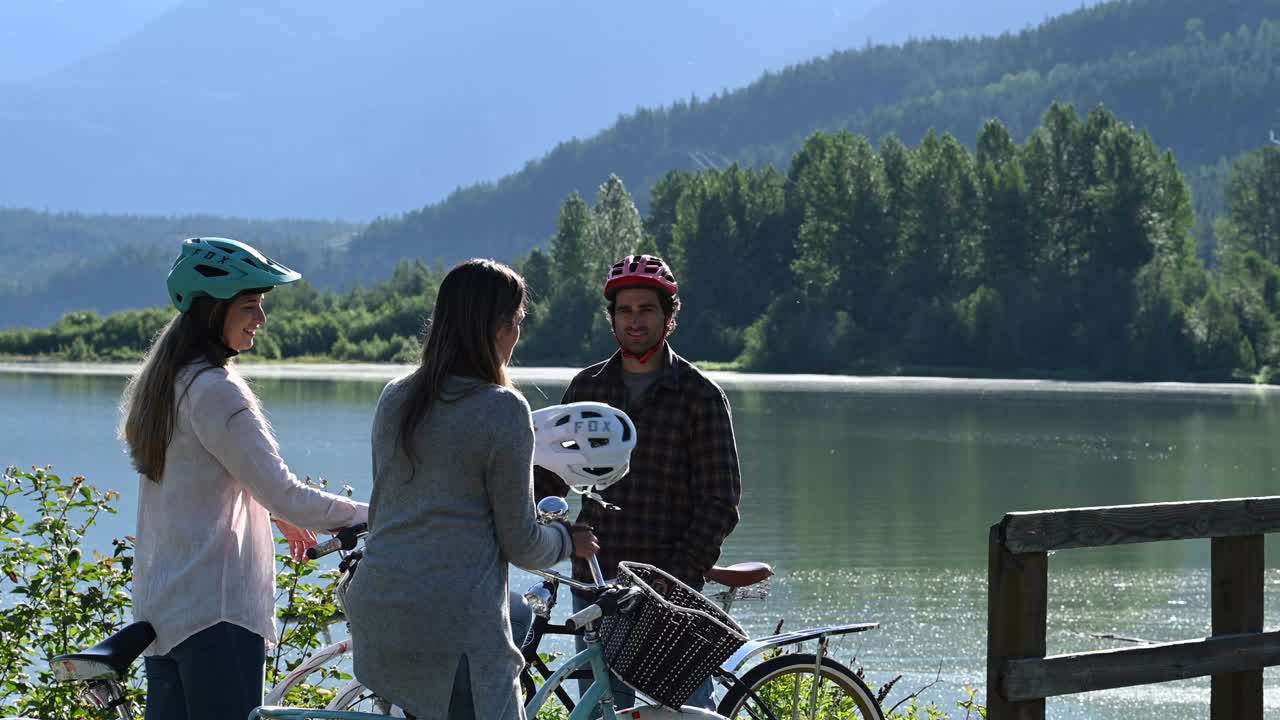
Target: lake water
<point x="871" y="497"/>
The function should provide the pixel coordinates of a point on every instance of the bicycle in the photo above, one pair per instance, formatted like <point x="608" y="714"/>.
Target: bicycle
<point x="771" y="689"/>
<point x="767" y="688"/>
<point x="779" y="686"/>
<point x="103" y="670"/>
<point x="352" y="695"/>
<point x="610" y="602"/>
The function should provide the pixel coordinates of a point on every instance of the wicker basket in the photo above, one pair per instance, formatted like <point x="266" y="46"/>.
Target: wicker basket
<point x="670" y="643"/>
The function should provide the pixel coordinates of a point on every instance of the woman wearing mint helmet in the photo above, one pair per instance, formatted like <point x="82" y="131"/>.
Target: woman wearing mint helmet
<point x="211" y="480"/>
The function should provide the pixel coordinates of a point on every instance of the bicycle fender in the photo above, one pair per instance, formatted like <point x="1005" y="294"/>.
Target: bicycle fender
<point x="759" y="645"/>
<point x="649" y="712"/>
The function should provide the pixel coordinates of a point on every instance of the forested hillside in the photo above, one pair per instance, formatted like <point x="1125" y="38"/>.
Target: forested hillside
<point x="1200" y="76"/>
<point x="1067" y="255"/>
<point x="55" y="262"/>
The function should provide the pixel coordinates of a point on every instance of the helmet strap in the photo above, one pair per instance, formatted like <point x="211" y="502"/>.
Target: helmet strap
<point x="644" y="356"/>
<point x="603" y="503"/>
<point x="216" y="346"/>
<point x="213" y="333"/>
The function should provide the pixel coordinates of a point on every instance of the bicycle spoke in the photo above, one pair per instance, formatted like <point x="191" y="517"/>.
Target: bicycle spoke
<point x="795" y="697"/>
<point x="788" y="688"/>
<point x="813" y="697"/>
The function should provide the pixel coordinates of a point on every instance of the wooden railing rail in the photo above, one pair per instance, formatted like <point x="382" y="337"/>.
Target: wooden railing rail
<point x="1020" y="676"/>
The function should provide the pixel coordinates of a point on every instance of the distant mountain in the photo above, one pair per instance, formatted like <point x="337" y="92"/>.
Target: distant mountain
<point x="1199" y="75"/>
<point x="339" y="109"/>
<point x="38" y="37"/>
<point x="897" y="21"/>
<point x="54" y="263"/>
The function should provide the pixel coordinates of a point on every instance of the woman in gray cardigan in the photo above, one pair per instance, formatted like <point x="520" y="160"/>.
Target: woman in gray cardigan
<point x="452" y="505"/>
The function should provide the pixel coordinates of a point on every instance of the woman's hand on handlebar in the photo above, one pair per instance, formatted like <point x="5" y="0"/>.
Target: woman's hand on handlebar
<point x="585" y="544"/>
<point x="299" y="538"/>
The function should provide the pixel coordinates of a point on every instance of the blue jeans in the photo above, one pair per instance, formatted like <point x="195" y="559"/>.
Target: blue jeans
<point x="623" y="696"/>
<point x="215" y="674"/>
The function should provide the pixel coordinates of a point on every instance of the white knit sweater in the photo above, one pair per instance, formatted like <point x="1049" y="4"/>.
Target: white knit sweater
<point x="204" y="551"/>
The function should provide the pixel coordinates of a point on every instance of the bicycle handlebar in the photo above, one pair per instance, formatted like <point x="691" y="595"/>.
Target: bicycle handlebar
<point x="583" y="617"/>
<point x="575" y="584"/>
<point x="344" y="539"/>
<point x="610" y="602"/>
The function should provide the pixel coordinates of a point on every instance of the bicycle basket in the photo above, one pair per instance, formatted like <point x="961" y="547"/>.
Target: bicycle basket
<point x="669" y="644"/>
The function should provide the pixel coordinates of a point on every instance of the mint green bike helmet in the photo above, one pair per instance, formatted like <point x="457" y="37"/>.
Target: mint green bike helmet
<point x="221" y="268"/>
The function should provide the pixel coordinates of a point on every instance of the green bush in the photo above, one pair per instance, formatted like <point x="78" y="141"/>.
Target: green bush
<point x="64" y="600"/>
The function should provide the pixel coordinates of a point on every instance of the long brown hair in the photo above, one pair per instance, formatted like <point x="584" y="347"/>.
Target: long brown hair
<point x="149" y="404"/>
<point x="476" y="299"/>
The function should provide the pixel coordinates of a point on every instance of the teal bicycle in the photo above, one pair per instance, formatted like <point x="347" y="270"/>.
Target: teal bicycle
<point x="613" y="601"/>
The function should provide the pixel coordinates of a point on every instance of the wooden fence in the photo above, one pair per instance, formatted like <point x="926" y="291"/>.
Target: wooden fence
<point x="1020" y="676"/>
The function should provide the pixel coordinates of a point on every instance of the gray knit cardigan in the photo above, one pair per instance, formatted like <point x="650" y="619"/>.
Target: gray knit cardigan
<point x="433" y="583"/>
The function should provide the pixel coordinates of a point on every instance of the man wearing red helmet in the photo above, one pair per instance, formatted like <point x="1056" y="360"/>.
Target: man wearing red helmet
<point x="680" y="499"/>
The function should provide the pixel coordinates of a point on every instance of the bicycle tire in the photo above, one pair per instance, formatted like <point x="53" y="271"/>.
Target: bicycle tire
<point x="842" y="694"/>
<point x="317" y="662"/>
<point x="355" y="697"/>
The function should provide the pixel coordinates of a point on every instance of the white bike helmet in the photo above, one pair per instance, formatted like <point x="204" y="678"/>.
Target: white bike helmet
<point x="588" y="444"/>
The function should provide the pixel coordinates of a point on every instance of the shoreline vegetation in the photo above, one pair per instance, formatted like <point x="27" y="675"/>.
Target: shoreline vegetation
<point x="1068" y="257"/>
<point x="728" y="376"/>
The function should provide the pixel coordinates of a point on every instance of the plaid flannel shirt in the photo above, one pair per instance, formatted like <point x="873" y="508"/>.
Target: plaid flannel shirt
<point x="680" y="499"/>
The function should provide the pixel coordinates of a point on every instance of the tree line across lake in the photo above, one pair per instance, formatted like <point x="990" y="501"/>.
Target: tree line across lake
<point x="1068" y="255"/>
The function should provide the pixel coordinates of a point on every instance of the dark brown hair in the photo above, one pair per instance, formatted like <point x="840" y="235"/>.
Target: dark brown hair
<point x="149" y="404"/>
<point x="476" y="299"/>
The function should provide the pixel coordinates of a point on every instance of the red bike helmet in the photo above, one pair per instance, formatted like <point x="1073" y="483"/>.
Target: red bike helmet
<point x="640" y="270"/>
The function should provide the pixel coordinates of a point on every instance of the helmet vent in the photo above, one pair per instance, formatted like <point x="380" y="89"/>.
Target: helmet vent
<point x="251" y="263"/>
<point x="221" y="246"/>
<point x="211" y="271"/>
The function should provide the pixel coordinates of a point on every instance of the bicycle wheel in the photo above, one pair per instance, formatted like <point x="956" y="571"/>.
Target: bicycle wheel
<point x="311" y="671"/>
<point x="782" y="689"/>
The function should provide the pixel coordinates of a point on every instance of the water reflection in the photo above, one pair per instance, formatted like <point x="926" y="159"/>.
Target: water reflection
<point x="872" y="498"/>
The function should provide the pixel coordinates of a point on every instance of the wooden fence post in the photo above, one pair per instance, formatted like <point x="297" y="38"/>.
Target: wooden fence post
<point x="1017" y="610"/>
<point x="1237" y="578"/>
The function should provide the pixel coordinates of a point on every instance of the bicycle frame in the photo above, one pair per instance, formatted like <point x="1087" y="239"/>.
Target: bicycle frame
<point x="599" y="694"/>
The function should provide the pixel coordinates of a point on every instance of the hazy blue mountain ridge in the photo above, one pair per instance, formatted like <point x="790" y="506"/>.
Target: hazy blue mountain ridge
<point x="333" y="109"/>
<point x="1207" y="96"/>
<point x="38" y="37"/>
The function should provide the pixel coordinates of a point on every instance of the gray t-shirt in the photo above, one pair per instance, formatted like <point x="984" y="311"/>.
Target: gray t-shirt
<point x="637" y="384"/>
